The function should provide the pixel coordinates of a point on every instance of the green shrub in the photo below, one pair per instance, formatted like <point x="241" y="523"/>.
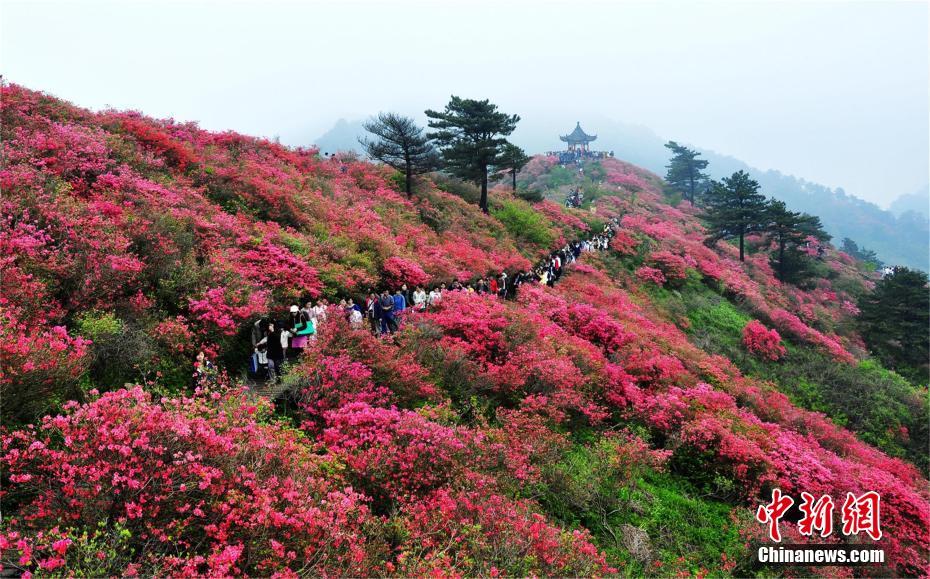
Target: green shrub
<point x="522" y="222"/>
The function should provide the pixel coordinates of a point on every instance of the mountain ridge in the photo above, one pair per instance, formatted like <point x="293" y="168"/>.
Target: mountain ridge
<point x="897" y="239"/>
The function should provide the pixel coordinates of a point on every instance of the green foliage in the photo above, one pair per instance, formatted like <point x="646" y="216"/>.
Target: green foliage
<point x="867" y="256"/>
<point x="560" y="176"/>
<point x="458" y="187"/>
<point x="522" y="222"/>
<point x="686" y="172"/>
<point x="530" y="195"/>
<point x="511" y="159"/>
<point x="895" y="322"/>
<point x="121" y="352"/>
<point x="686" y="531"/>
<point x="734" y="208"/>
<point x="400" y="144"/>
<point x="788" y="230"/>
<point x="470" y="135"/>
<point x="99" y="325"/>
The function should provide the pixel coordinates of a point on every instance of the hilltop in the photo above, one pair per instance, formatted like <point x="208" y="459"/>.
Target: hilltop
<point x="897" y="238"/>
<point x="627" y="420"/>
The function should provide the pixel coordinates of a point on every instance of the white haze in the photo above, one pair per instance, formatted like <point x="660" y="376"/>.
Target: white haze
<point x="835" y="92"/>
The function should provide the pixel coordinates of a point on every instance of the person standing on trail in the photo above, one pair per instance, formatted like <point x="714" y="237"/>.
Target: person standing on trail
<point x="419" y="298"/>
<point x="299" y="327"/>
<point x="373" y="313"/>
<point x="434" y="297"/>
<point x="502" y="285"/>
<point x="258" y="330"/>
<point x="386" y="305"/>
<point x="400" y="302"/>
<point x="275" y="351"/>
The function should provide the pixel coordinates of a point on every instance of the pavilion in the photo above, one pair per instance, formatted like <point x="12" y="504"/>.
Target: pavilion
<point x="578" y="140"/>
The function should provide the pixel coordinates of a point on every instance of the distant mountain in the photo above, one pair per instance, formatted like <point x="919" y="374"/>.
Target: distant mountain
<point x="898" y="237"/>
<point x="918" y="202"/>
<point x="342" y="137"/>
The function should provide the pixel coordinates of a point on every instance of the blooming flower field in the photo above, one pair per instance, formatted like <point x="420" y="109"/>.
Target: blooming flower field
<point x="488" y="437"/>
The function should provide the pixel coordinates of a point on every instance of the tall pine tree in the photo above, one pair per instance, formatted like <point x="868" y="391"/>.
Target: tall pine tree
<point x="470" y="134"/>
<point x="788" y="230"/>
<point x="895" y="322"/>
<point x="400" y="144"/>
<point x="686" y="172"/>
<point x="512" y="159"/>
<point x="733" y="209"/>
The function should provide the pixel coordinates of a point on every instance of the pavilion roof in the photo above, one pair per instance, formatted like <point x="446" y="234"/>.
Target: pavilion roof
<point x="578" y="136"/>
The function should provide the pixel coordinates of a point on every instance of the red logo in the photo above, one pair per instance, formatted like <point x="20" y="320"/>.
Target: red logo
<point x="773" y="512"/>
<point x="860" y="514"/>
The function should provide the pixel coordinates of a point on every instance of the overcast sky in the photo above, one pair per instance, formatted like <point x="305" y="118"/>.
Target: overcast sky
<point x="835" y="92"/>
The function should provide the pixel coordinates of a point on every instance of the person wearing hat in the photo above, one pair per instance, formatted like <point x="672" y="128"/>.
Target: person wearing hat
<point x="301" y="330"/>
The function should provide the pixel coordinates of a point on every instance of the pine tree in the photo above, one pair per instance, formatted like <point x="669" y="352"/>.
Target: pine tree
<point x="686" y="172"/>
<point x="512" y="159"/>
<point x="895" y="322"/>
<point x="401" y="145"/>
<point x="470" y="135"/>
<point x="868" y="256"/>
<point x="788" y="230"/>
<point x="733" y="209"/>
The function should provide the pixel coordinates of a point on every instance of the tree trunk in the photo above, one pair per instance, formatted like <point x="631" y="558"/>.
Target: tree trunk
<point x="691" y="181"/>
<point x="408" y="175"/>
<point x="483" y="203"/>
<point x="514" y="173"/>
<point x="781" y="260"/>
<point x="741" y="254"/>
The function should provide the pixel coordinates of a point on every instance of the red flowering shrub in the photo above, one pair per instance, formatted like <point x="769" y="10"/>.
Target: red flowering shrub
<point x="651" y="274"/>
<point x="632" y="456"/>
<point x="624" y="243"/>
<point x="672" y="266"/>
<point x="762" y="341"/>
<point x="488" y="535"/>
<point x="333" y="382"/>
<point x="393" y="454"/>
<point x="172" y="474"/>
<point x="37" y="365"/>
<point x="593" y="325"/>
<point x="398" y="271"/>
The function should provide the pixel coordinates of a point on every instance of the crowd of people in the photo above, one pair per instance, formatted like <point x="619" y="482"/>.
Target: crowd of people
<point x="575" y="198"/>
<point x="275" y="341"/>
<point x="578" y="155"/>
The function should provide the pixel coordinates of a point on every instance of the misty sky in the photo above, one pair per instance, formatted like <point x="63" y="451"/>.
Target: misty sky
<point x="834" y="92"/>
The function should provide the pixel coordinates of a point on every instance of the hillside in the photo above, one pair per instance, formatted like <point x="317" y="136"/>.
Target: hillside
<point x="627" y="420"/>
<point x="898" y="239"/>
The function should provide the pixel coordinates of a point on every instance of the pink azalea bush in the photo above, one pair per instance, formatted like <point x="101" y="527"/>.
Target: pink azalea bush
<point x="762" y="341"/>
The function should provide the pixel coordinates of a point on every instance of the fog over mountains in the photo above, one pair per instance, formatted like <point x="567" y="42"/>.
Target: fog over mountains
<point x="900" y="236"/>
